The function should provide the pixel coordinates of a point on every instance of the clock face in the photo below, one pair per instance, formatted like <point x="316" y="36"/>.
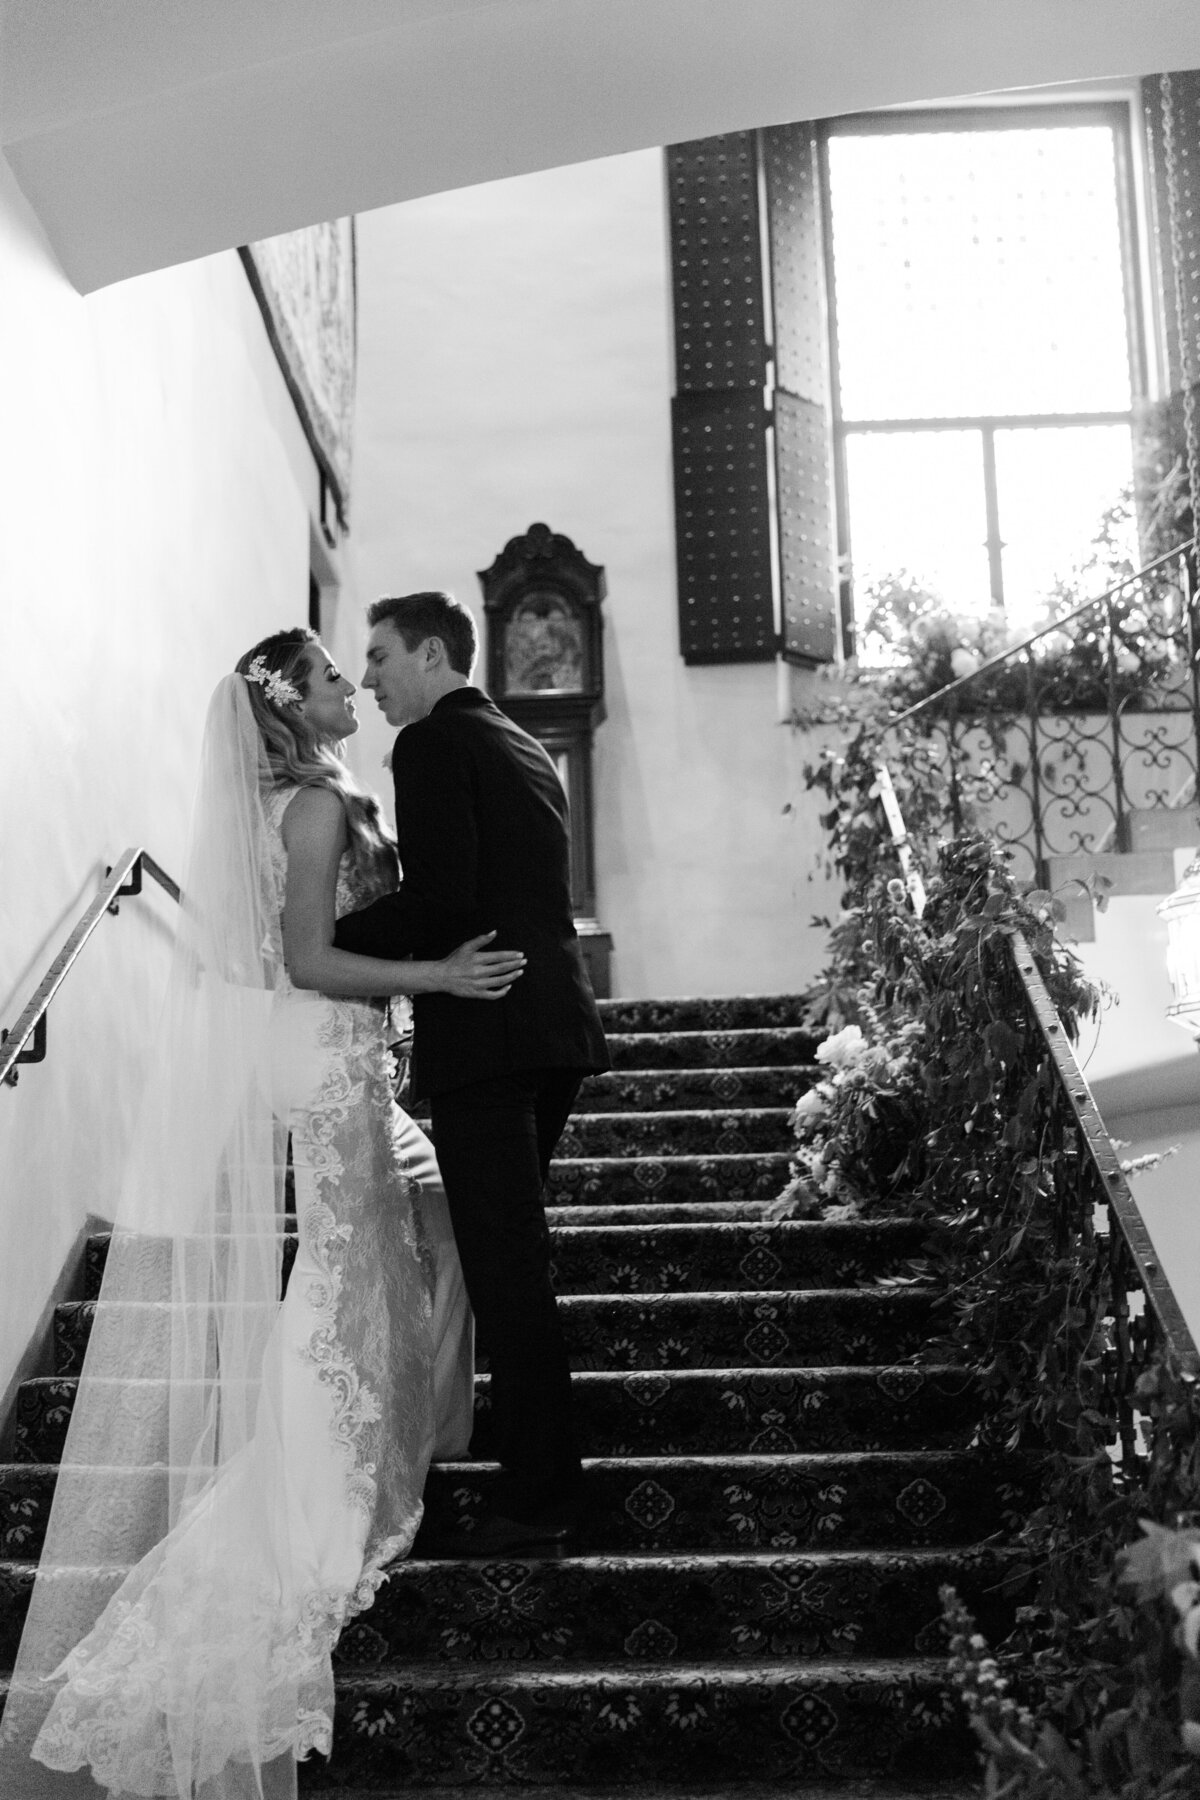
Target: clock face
<point x="543" y="646"/>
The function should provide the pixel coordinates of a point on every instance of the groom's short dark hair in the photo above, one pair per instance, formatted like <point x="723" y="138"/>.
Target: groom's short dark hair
<point x="420" y="616"/>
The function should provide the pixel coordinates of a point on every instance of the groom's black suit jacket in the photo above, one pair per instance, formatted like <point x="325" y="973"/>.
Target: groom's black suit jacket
<point x="481" y="821"/>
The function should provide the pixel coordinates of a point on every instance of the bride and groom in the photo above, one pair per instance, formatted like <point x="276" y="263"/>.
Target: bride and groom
<point x="261" y="1463"/>
<point x="482" y="828"/>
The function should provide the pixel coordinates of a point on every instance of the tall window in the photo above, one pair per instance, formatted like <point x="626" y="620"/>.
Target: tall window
<point x="987" y="347"/>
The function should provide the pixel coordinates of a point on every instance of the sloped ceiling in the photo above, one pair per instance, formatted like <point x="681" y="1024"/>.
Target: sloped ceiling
<point x="147" y="132"/>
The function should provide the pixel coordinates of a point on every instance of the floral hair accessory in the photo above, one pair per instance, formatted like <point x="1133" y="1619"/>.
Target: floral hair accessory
<point x="278" y="688"/>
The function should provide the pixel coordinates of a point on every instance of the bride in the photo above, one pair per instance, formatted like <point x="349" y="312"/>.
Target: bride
<point x="259" y="1463"/>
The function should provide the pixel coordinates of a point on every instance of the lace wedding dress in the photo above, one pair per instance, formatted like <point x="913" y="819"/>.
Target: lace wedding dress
<point x="208" y="1672"/>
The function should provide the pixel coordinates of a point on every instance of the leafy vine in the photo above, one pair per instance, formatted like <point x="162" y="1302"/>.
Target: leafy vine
<point x="939" y="1096"/>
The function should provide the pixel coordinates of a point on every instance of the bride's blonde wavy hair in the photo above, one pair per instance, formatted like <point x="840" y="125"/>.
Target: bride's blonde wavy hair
<point x="298" y="756"/>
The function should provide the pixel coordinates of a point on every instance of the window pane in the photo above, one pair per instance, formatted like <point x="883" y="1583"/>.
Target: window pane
<point x="917" y="508"/>
<point x="978" y="272"/>
<point x="1053" y="487"/>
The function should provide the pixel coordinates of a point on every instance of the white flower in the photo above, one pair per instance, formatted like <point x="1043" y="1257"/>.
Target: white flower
<point x="963" y="662"/>
<point x="1184" y="1596"/>
<point x="1055" y="643"/>
<point x="843" y="1048"/>
<point x="809" y="1106"/>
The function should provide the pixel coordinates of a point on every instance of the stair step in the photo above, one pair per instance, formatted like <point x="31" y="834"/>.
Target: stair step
<point x="1140" y="871"/>
<point x="732" y="1132"/>
<point x="95" y="1257"/>
<point x="827" y="1500"/>
<point x="694" y="1254"/>
<point x="640" y="1609"/>
<point x="25" y="1495"/>
<point x="610" y="1180"/>
<point x="691" y="1412"/>
<point x="1127" y="872"/>
<point x="918" y="1787"/>
<point x="726" y="1255"/>
<point x="872" y="1499"/>
<point x="651" y="1213"/>
<point x="1164" y="827"/>
<point x="825" y="1720"/>
<point x="16" y="1587"/>
<point x="682" y="1090"/>
<point x="658" y="1331"/>
<point x="679" y="1412"/>
<point x="663" y="1609"/>
<point x="723" y="1012"/>
<point x="742" y="1049"/>
<point x="547" y="1727"/>
<point x="766" y="1328"/>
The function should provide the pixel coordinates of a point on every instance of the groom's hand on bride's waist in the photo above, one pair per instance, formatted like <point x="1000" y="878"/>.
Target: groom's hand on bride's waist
<point x="398" y="925"/>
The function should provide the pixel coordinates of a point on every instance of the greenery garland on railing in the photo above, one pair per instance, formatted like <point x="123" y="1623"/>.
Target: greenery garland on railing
<point x="939" y="1097"/>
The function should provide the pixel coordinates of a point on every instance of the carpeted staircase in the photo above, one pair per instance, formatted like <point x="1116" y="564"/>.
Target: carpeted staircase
<point x="775" y="1490"/>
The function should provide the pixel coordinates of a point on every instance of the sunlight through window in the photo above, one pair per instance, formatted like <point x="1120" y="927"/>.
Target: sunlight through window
<point x="984" y="378"/>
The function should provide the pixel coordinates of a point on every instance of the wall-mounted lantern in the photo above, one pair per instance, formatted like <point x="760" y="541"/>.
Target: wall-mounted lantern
<point x="545" y="665"/>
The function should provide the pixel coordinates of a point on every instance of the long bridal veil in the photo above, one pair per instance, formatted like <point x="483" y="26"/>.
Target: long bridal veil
<point x="181" y="1377"/>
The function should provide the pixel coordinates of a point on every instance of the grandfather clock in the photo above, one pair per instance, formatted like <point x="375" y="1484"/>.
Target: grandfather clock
<point x="545" y="663"/>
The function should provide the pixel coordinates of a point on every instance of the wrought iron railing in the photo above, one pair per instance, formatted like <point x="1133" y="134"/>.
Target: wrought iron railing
<point x="26" y="1041"/>
<point x="1131" y="1303"/>
<point x="1056" y="744"/>
<point x="1135" y="1306"/>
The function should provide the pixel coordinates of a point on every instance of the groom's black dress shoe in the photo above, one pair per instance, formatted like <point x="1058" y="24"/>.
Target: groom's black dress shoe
<point x="499" y="1535"/>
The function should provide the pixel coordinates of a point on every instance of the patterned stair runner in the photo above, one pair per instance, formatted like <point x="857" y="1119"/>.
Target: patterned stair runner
<point x="775" y="1490"/>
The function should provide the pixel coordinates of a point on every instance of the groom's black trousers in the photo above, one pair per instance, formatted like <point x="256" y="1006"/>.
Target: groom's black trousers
<point x="494" y="1141"/>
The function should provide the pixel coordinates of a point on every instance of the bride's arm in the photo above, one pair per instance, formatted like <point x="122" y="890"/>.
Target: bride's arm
<point x="315" y="838"/>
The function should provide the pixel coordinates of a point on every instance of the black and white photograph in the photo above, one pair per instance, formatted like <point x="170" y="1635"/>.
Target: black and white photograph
<point x="600" y="900"/>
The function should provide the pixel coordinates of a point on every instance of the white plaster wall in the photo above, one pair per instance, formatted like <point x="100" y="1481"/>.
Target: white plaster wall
<point x="515" y="365"/>
<point x="1132" y="1055"/>
<point x="1144" y="1073"/>
<point x="1168" y="1195"/>
<point x="155" y="491"/>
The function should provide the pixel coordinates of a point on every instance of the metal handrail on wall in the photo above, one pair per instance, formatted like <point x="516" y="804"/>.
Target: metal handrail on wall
<point x="26" y="1041"/>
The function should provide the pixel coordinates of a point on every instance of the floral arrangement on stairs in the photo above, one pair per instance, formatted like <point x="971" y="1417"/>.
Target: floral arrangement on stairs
<point x="934" y="646"/>
<point x="938" y="1097"/>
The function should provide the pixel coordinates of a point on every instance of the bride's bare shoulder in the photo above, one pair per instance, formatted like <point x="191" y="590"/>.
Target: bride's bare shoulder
<point x="313" y="818"/>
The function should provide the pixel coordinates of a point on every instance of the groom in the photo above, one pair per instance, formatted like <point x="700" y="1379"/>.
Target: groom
<point x="481" y="819"/>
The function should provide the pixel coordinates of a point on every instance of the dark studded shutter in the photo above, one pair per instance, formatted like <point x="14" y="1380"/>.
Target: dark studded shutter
<point x="718" y="416"/>
<point x="732" y="554"/>
<point x="803" y="480"/>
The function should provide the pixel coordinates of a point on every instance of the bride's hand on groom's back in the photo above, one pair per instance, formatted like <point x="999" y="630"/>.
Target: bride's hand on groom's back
<point x="474" y="973"/>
